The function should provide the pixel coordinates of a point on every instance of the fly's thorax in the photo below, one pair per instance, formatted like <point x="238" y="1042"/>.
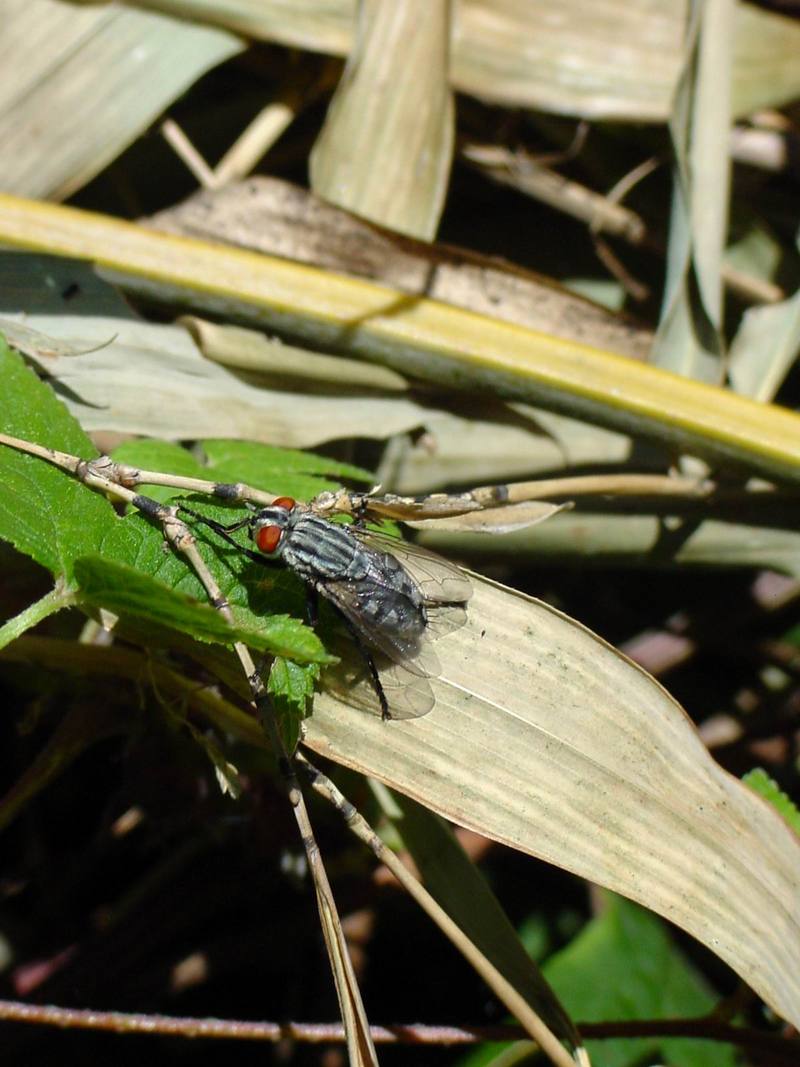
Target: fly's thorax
<point x="320" y="550"/>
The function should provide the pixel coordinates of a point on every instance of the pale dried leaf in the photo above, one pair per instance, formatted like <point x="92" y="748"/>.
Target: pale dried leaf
<point x="422" y="338"/>
<point x="386" y="146"/>
<point x="547" y="739"/>
<point x="81" y="82"/>
<point x="689" y="340"/>
<point x="641" y="539"/>
<point x="619" y="59"/>
<point x="38" y="346"/>
<point x="765" y="347"/>
<point x="142" y="378"/>
<point x="275" y="362"/>
<point x="501" y="520"/>
<point x="280" y="219"/>
<point x="460" y="448"/>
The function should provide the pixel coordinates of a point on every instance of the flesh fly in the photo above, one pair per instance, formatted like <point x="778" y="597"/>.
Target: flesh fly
<point x="394" y="598"/>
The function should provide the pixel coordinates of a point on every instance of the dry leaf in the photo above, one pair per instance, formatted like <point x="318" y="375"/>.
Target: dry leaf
<point x="547" y="739"/>
<point x="82" y="81"/>
<point x="385" y="149"/>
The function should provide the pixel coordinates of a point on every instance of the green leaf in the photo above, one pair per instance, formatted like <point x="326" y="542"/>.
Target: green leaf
<point x="127" y="591"/>
<point x="163" y="456"/>
<point x="766" y="787"/>
<point x="291" y="686"/>
<point x="281" y="471"/>
<point x="293" y="682"/>
<point x="624" y="965"/>
<point x="124" y="567"/>
<point x="44" y="512"/>
<point x="278" y="470"/>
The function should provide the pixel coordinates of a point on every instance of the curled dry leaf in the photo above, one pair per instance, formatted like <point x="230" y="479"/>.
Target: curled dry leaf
<point x="547" y="739"/>
<point x="495" y="520"/>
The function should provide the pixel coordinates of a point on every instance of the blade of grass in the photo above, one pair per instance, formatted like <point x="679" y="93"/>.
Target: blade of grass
<point x="421" y="337"/>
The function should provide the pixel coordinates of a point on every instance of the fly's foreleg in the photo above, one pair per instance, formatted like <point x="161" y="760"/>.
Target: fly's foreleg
<point x="225" y="533"/>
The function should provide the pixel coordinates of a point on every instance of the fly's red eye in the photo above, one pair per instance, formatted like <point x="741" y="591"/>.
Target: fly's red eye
<point x="267" y="537"/>
<point x="284" y="502"/>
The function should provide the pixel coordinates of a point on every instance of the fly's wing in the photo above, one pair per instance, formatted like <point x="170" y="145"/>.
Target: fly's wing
<point x="408" y="695"/>
<point x="443" y="619"/>
<point x="411" y="650"/>
<point x="440" y="581"/>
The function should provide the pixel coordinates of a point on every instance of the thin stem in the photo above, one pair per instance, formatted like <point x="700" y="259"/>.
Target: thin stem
<point x="774" y="1048"/>
<point x="513" y="1000"/>
<point x="57" y="599"/>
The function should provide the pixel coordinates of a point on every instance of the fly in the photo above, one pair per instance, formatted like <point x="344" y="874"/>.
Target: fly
<point x="393" y="597"/>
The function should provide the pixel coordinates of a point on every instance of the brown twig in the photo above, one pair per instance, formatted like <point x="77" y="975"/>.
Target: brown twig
<point x="779" y="1049"/>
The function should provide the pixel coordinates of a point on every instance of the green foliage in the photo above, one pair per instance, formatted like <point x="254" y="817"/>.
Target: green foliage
<point x="761" y="783"/>
<point x="125" y="591"/>
<point x="152" y="455"/>
<point x="45" y="513"/>
<point x="254" y="463"/>
<point x="121" y="563"/>
<point x="291" y="686"/>
<point x="284" y="472"/>
<point x="623" y="965"/>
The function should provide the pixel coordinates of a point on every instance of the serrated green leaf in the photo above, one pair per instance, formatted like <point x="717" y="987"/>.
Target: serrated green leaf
<point x="163" y="456"/>
<point x="291" y="686"/>
<point x="154" y="455"/>
<point x="766" y="787"/>
<point x="278" y="470"/>
<point x="293" y="681"/>
<point x="624" y="965"/>
<point x="44" y="513"/>
<point x="126" y="591"/>
<point x="265" y="600"/>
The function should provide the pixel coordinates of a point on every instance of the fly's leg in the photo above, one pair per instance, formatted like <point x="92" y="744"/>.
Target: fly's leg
<point x="312" y="606"/>
<point x="360" y="513"/>
<point x="370" y="662"/>
<point x="218" y="526"/>
<point x="225" y="533"/>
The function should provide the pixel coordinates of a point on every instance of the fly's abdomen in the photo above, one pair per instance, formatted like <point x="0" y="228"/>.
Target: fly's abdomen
<point x="392" y="612"/>
<point x="390" y="600"/>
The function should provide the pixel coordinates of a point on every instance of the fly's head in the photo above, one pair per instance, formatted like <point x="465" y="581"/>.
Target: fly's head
<point x="270" y="526"/>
